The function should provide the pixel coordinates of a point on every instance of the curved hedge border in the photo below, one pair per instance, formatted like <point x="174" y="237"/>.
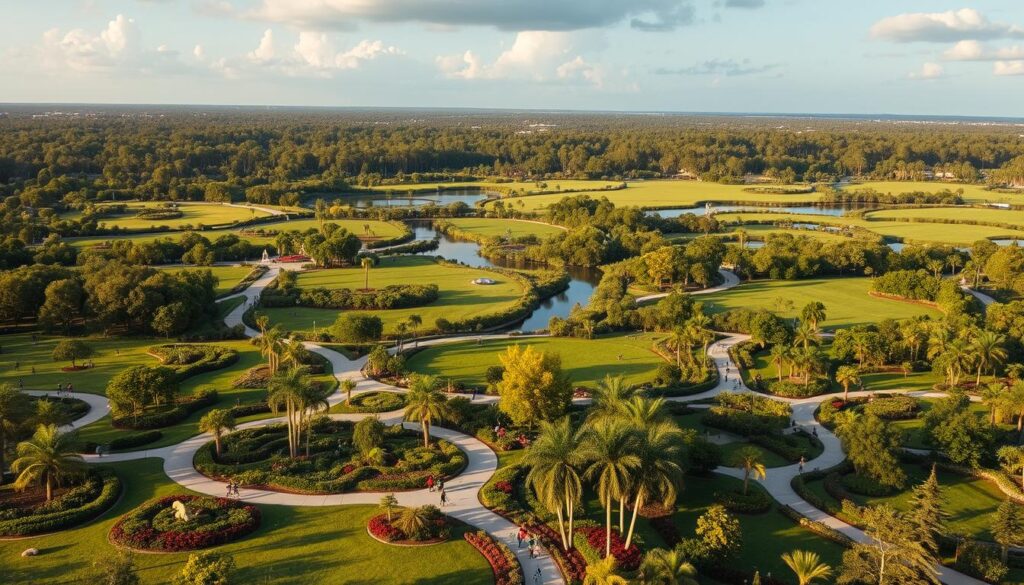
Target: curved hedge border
<point x="107" y="489"/>
<point x="135" y="529"/>
<point x="155" y="420"/>
<point x="210" y="358"/>
<point x="504" y="563"/>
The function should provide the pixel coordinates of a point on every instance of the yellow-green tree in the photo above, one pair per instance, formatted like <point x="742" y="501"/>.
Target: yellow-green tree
<point x="533" y="386"/>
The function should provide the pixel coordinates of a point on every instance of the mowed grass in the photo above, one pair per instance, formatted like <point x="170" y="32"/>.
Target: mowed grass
<point x="972" y="193"/>
<point x="227" y="276"/>
<point x="502" y="227"/>
<point x="293" y="546"/>
<point x="970" y="503"/>
<point x="192" y="214"/>
<point x="586" y="361"/>
<point x="519" y="186"/>
<point x="1008" y="216"/>
<point x="459" y="298"/>
<point x="366" y="229"/>
<point x="672" y="193"/>
<point x="846" y="300"/>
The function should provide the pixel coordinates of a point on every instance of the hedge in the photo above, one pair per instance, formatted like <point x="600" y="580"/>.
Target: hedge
<point x="187" y="360"/>
<point x="126" y="441"/>
<point x="102" y="486"/>
<point x="755" y="501"/>
<point x="179" y="412"/>
<point x="504" y="563"/>
<point x="136" y="528"/>
<point x="394" y="296"/>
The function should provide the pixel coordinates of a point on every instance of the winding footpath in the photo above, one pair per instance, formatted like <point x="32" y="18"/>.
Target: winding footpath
<point x="464" y="489"/>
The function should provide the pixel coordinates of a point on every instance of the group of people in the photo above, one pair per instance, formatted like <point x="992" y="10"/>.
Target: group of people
<point x="438" y="485"/>
<point x="64" y="391"/>
<point x="232" y="489"/>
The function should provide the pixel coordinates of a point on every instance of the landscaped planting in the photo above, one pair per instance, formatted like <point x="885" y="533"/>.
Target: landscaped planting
<point x="506" y="567"/>
<point x="26" y="513"/>
<point x="411" y="526"/>
<point x="372" y="402"/>
<point x="258" y="458"/>
<point x="189" y="359"/>
<point x="155" y="525"/>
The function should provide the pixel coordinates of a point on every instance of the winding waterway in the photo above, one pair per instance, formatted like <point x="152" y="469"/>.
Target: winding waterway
<point x="440" y="198"/>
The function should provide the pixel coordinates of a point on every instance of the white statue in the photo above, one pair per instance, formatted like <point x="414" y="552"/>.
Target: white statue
<point x="180" y="511"/>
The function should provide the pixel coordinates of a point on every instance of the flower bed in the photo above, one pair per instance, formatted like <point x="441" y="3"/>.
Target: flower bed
<point x="95" y="495"/>
<point x="592" y="546"/>
<point x="437" y="530"/>
<point x="259" y="458"/>
<point x="506" y="567"/>
<point x="373" y="402"/>
<point x="213" y="521"/>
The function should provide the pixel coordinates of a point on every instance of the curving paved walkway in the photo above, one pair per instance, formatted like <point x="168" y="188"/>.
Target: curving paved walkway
<point x="729" y="280"/>
<point x="98" y="407"/>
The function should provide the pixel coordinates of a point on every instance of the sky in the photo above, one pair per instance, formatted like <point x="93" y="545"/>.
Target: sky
<point x="919" y="57"/>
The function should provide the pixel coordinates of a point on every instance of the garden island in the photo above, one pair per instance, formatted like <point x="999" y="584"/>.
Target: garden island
<point x="329" y="347"/>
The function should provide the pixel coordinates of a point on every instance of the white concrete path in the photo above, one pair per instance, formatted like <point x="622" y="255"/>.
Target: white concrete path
<point x="98" y="407"/>
<point x="729" y="280"/>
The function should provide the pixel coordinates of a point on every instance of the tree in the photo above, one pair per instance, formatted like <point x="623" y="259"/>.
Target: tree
<point x="659" y="450"/>
<point x="988" y="350"/>
<point x="847" y="375"/>
<point x="1012" y="459"/>
<point x="368" y="435"/>
<point x="873" y="448"/>
<point x="750" y="460"/>
<point x="415" y="522"/>
<point x="270" y="346"/>
<point x="1008" y="526"/>
<point x="603" y="573"/>
<point x="285" y="391"/>
<point x="366" y="264"/>
<point x="115" y="569"/>
<point x="48" y="458"/>
<point x="719" y="533"/>
<point x="388" y="502"/>
<point x="533" y="386"/>
<point x="64" y="299"/>
<point x="13" y="409"/>
<point x="347" y="386"/>
<point x="216" y="422"/>
<point x="667" y="567"/>
<point x="311" y="400"/>
<point x="610" y="450"/>
<point x="609" y="398"/>
<point x="415" y="322"/>
<point x="356" y="328"/>
<point x="813" y="313"/>
<point x="555" y="458"/>
<point x="171" y="319"/>
<point x="926" y="512"/>
<point x="131" y="391"/>
<point x="779" y="356"/>
<point x="207" y="568"/>
<point x="894" y="555"/>
<point x="71" y="350"/>
<point x="807" y="566"/>
<point x="426" y="403"/>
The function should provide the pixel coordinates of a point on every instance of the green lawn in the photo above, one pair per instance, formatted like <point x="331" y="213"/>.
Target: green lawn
<point x="367" y="229"/>
<point x="228" y="276"/>
<point x="972" y="193"/>
<point x="846" y="300"/>
<point x="293" y="546"/>
<point x="192" y="215"/>
<point x="459" y="297"/>
<point x="501" y="227"/>
<point x="587" y="361"/>
<point x="519" y="186"/>
<point x="969" y="502"/>
<point x="1009" y="216"/>
<point x="913" y="429"/>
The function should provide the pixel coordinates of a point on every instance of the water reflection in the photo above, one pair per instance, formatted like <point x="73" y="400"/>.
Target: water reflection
<point x="581" y="283"/>
<point x="440" y="198"/>
<point x="834" y="211"/>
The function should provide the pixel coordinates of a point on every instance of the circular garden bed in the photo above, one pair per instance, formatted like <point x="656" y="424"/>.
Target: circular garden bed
<point x="420" y="526"/>
<point x="259" y="458"/>
<point x="372" y="402"/>
<point x="27" y="513"/>
<point x="155" y="525"/>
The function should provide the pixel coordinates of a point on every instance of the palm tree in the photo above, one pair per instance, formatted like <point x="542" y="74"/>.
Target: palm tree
<point x="366" y="263"/>
<point x="216" y="422"/>
<point x="48" y="458"/>
<point x="610" y="450"/>
<point x="415" y="321"/>
<point x="912" y="332"/>
<point x="426" y="404"/>
<point x="311" y="401"/>
<point x="48" y="413"/>
<point x="805" y="335"/>
<point x="806" y="565"/>
<point x="414" y="521"/>
<point x="262" y="322"/>
<point x="988" y="350"/>
<point x="700" y="326"/>
<point x="1013" y="402"/>
<point x="667" y="567"/>
<point x="1012" y="459"/>
<point x="609" y="398"/>
<point x="779" y="353"/>
<point x="320" y="210"/>
<point x="659" y="471"/>
<point x="953" y="261"/>
<point x="388" y="502"/>
<point x="270" y="343"/>
<point x="750" y="460"/>
<point x="846" y="375"/>
<point x="813" y="313"/>
<point x="555" y="459"/>
<point x="285" y="390"/>
<point x="935" y="266"/>
<point x="603" y="573"/>
<point x="293" y="352"/>
<point x="347" y="386"/>
<point x="992" y="395"/>
<point x="741" y="237"/>
<point x="642" y="412"/>
<point x="13" y="406"/>
<point x="680" y="338"/>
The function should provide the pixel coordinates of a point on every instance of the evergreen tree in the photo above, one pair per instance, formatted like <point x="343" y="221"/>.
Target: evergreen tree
<point x="1008" y="526"/>
<point x="928" y="516"/>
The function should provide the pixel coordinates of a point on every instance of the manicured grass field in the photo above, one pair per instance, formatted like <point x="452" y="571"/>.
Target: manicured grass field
<point x="459" y="297"/>
<point x="228" y="276"/>
<point x="760" y="232"/>
<point x="519" y="186"/>
<point x="192" y="214"/>
<point x="587" y="361"/>
<point x="846" y="300"/>
<point x="970" y="503"/>
<point x="293" y="546"/>
<point x="671" y="193"/>
<point x="501" y="227"/>
<point x="972" y="193"/>
<point x="1009" y="216"/>
<point x="366" y="229"/>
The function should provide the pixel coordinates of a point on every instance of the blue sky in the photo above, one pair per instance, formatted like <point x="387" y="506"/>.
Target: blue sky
<point x="817" y="56"/>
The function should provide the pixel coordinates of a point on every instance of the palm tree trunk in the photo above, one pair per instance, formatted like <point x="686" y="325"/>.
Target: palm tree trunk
<point x="608" y="524"/>
<point x="632" y="523"/>
<point x="216" y="444"/>
<point x="426" y="432"/>
<point x="622" y="514"/>
<point x="746" y="480"/>
<point x="561" y="529"/>
<point x="572" y="510"/>
<point x="977" y="382"/>
<point x="49" y="487"/>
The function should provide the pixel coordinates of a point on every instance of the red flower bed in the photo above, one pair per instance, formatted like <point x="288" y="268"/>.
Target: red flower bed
<point x="628" y="558"/>
<point x="293" y="258"/>
<point x="506" y="567"/>
<point x="382" y="529"/>
<point x="667" y="529"/>
<point x="503" y="486"/>
<point x="570" y="562"/>
<point x="135" y="529"/>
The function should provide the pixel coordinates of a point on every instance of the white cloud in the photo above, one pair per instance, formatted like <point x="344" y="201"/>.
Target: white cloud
<point x="534" y="55"/>
<point x="199" y="52"/>
<point x="265" y="50"/>
<point x="82" y="51"/>
<point x="943" y="27"/>
<point x="578" y="68"/>
<point x="313" y="54"/>
<point x="1008" y="68"/>
<point x="975" y="51"/>
<point x="929" y="71"/>
<point x="516" y="15"/>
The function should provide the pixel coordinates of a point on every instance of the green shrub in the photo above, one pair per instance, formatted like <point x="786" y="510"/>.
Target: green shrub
<point x="99" y="491"/>
<point x="893" y="407"/>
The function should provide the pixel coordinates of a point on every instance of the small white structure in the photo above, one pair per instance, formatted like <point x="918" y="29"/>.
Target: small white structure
<point x="266" y="256"/>
<point x="484" y="281"/>
<point x="180" y="511"/>
<point x="30" y="552"/>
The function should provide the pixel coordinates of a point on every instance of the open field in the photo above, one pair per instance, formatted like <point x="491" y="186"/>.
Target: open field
<point x="459" y="297"/>
<point x="585" y="361"/>
<point x="972" y="193"/>
<point x="846" y="300"/>
<point x="192" y="215"/>
<point x="364" y="228"/>
<point x="1008" y="216"/>
<point x="228" y="276"/>
<point x="293" y="546"/>
<point x="501" y="227"/>
<point x="525" y="187"/>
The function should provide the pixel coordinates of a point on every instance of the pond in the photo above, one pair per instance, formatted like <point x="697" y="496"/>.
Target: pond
<point x="581" y="284"/>
<point x="440" y="198"/>
<point x="834" y="211"/>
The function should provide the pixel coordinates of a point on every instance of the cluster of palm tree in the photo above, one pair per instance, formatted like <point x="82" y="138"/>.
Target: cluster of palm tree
<point x="629" y="450"/>
<point x="426" y="404"/>
<point x="410" y="325"/>
<point x="803" y="358"/>
<point x="693" y="332"/>
<point x="961" y="351"/>
<point x="292" y="391"/>
<point x="1005" y="402"/>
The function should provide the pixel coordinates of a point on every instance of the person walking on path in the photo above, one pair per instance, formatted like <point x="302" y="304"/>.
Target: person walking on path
<point x="228" y="495"/>
<point x="520" y="537"/>
<point x="430" y="482"/>
<point x="60" y="388"/>
<point x="533" y="542"/>
<point x="802" y="461"/>
<point x="537" y="577"/>
<point x="444" y="498"/>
